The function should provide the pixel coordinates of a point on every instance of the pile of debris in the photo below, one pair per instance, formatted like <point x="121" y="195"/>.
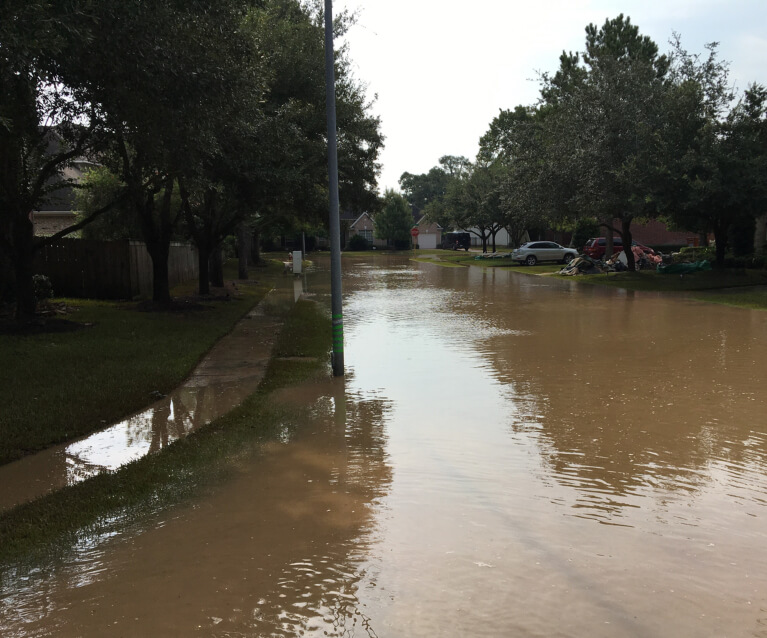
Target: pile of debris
<point x="585" y="265"/>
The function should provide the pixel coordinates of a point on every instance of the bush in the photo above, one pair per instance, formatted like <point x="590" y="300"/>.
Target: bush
<point x="358" y="242"/>
<point x="43" y="287"/>
<point x="748" y="261"/>
<point x="690" y="253"/>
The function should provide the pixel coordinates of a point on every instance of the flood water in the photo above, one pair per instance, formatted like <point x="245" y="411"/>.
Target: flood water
<point x="507" y="456"/>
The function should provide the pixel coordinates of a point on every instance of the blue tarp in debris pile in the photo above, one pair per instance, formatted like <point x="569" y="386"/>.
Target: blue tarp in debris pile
<point x="682" y="269"/>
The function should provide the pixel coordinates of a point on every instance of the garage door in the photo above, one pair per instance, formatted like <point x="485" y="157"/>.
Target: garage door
<point x="427" y="240"/>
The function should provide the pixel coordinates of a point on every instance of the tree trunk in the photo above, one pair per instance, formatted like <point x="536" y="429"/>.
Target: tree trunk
<point x="159" y="252"/>
<point x="720" y="237"/>
<point x="493" y="235"/>
<point x="203" y="262"/>
<point x="217" y="267"/>
<point x="256" y="247"/>
<point x="23" y="252"/>
<point x="243" y="249"/>
<point x="760" y="234"/>
<point x="609" y="248"/>
<point x="26" y="303"/>
<point x="157" y="235"/>
<point x="628" y="244"/>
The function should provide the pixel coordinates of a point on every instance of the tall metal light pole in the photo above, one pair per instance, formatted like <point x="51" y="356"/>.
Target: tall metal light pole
<point x="336" y="303"/>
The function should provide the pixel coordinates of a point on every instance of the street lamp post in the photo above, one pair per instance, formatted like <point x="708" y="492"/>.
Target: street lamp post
<point x="336" y="302"/>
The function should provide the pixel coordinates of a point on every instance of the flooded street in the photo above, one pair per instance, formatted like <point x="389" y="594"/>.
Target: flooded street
<point x="507" y="455"/>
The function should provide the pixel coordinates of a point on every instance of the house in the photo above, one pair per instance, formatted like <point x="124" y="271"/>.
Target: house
<point x="57" y="212"/>
<point x="364" y="226"/>
<point x="429" y="234"/>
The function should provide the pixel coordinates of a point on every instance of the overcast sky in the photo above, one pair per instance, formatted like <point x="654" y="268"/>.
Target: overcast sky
<point x="442" y="69"/>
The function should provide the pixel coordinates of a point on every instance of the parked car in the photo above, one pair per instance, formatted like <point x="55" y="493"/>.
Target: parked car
<point x="454" y="241"/>
<point x="534" y="251"/>
<point x="595" y="247"/>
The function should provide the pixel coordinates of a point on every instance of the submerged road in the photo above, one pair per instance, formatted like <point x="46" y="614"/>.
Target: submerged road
<point x="506" y="456"/>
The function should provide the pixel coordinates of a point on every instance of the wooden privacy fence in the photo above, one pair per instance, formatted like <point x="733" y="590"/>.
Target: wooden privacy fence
<point x="109" y="269"/>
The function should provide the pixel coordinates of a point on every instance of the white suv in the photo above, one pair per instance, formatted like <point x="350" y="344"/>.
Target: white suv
<point x="534" y="251"/>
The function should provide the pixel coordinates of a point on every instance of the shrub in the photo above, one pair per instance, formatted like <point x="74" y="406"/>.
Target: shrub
<point x="358" y="242"/>
<point x="43" y="287"/>
<point x="690" y="253"/>
<point x="747" y="261"/>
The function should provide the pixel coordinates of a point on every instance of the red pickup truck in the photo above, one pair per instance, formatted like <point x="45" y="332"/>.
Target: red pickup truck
<point x="595" y="247"/>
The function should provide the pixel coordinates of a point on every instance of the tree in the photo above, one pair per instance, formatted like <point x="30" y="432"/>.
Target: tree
<point x="603" y="126"/>
<point x="513" y="144"/>
<point x="421" y="190"/>
<point x="285" y="178"/>
<point x="99" y="188"/>
<point x="718" y="151"/>
<point x="165" y="112"/>
<point x="394" y="221"/>
<point x="427" y="193"/>
<point x="473" y="202"/>
<point x="42" y="120"/>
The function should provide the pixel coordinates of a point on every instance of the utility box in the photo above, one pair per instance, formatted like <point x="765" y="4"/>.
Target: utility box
<point x="297" y="263"/>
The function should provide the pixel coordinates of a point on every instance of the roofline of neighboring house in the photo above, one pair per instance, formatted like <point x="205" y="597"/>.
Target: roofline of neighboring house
<point x="358" y="218"/>
<point x="418" y="223"/>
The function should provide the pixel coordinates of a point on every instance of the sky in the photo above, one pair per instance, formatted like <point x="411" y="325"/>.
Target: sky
<point x="441" y="70"/>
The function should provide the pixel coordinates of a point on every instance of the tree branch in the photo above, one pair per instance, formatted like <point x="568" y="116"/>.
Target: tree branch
<point x="45" y="241"/>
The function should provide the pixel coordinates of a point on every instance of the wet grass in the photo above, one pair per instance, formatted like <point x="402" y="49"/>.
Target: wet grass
<point x="712" y="286"/>
<point x="46" y="528"/>
<point x="106" y="365"/>
<point x="438" y="262"/>
<point x="651" y="280"/>
<point x="753" y="299"/>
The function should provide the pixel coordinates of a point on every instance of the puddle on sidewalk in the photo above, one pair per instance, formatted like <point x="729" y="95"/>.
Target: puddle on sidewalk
<point x="230" y="372"/>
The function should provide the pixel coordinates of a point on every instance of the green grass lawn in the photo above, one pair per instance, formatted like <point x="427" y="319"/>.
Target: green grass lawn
<point x="64" y="384"/>
<point x="44" y="529"/>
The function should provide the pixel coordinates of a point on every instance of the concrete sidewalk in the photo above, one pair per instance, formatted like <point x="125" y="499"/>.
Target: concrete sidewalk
<point x="230" y="372"/>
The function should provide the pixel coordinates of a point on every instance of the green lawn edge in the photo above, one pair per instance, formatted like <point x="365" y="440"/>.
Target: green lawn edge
<point x="47" y="527"/>
<point x="59" y="381"/>
<point x="714" y="286"/>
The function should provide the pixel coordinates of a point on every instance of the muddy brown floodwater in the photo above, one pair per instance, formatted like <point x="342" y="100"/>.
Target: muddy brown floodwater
<point x="507" y="456"/>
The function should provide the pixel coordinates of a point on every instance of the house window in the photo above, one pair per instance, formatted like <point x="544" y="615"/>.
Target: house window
<point x="367" y="234"/>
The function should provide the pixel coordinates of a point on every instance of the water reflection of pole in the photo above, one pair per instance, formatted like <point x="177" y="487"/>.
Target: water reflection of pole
<point x="335" y="223"/>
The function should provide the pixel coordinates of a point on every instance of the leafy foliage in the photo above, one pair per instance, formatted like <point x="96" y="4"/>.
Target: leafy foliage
<point x="394" y="221"/>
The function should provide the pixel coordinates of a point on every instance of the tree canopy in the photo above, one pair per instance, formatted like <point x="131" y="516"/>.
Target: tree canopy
<point x="621" y="132"/>
<point x="394" y="221"/>
<point x="219" y="106"/>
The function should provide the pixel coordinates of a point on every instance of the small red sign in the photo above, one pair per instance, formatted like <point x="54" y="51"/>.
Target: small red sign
<point x="414" y="232"/>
